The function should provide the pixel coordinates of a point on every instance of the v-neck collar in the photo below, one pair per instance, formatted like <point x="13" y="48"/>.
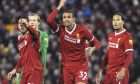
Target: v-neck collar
<point x="119" y="32"/>
<point x="70" y="32"/>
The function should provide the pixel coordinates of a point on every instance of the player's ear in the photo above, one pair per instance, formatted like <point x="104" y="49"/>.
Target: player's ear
<point x="74" y="19"/>
<point x="123" y="22"/>
<point x="39" y="22"/>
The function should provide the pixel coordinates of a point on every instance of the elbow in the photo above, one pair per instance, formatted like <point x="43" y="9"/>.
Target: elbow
<point x="49" y="20"/>
<point x="97" y="46"/>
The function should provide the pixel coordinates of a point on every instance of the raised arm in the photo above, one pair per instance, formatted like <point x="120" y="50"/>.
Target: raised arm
<point x="51" y="17"/>
<point x="35" y="33"/>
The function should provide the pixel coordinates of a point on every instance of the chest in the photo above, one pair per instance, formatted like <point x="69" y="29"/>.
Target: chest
<point x="115" y="42"/>
<point x="75" y="37"/>
<point x="24" y="41"/>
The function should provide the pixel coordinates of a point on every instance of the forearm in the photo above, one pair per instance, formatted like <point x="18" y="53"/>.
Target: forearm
<point x="18" y="65"/>
<point x="51" y="19"/>
<point x="33" y="31"/>
<point x="104" y="61"/>
<point x="128" y="59"/>
<point x="96" y="44"/>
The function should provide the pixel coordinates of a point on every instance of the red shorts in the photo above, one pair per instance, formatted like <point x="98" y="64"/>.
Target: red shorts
<point x="111" y="78"/>
<point x="32" y="77"/>
<point x="74" y="74"/>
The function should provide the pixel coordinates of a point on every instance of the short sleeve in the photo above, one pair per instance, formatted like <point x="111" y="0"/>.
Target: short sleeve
<point x="128" y="43"/>
<point x="88" y="35"/>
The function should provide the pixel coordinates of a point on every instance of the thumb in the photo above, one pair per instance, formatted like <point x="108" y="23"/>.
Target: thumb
<point x="9" y="76"/>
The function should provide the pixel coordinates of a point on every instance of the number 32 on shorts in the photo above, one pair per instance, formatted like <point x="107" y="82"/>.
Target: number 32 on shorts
<point x="83" y="75"/>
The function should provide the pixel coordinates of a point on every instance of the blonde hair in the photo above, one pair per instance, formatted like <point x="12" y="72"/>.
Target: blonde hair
<point x="34" y="14"/>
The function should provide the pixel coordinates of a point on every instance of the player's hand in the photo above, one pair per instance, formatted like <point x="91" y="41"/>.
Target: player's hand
<point x="89" y="50"/>
<point x="120" y="75"/>
<point x="98" y="77"/>
<point x="61" y="4"/>
<point x="10" y="74"/>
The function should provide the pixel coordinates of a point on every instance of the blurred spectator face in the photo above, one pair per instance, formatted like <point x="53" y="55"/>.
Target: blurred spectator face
<point x="21" y="26"/>
<point x="68" y="19"/>
<point x="117" y="22"/>
<point x="34" y="21"/>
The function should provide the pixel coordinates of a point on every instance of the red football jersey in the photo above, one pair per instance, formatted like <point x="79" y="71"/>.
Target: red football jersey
<point x="29" y="52"/>
<point x="72" y="43"/>
<point x="118" y="45"/>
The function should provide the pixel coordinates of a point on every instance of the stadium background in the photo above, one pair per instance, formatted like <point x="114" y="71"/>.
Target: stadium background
<point x="96" y="14"/>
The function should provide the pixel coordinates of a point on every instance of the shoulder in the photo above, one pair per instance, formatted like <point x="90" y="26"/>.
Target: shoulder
<point x="81" y="27"/>
<point x="111" y="33"/>
<point x="127" y="34"/>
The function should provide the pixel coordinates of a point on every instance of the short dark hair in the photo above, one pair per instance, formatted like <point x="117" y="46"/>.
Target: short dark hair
<point x="120" y="14"/>
<point x="69" y="11"/>
<point x="22" y="17"/>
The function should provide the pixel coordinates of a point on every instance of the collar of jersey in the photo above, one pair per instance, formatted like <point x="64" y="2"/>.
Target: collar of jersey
<point x="70" y="32"/>
<point x="120" y="32"/>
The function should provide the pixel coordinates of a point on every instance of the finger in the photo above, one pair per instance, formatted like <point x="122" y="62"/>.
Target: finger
<point x="97" y="79"/>
<point x="9" y="76"/>
<point x="98" y="82"/>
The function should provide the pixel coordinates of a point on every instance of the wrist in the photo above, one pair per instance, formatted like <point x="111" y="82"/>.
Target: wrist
<point x="14" y="70"/>
<point x="59" y="7"/>
<point x="101" y="70"/>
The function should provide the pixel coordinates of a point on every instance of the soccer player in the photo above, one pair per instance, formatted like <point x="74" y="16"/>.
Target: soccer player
<point x="30" y="60"/>
<point x="60" y="77"/>
<point x="34" y="21"/>
<point x="72" y="46"/>
<point x="119" y="54"/>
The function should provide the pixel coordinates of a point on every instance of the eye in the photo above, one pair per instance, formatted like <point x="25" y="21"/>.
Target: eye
<point x="69" y="16"/>
<point x="64" y="16"/>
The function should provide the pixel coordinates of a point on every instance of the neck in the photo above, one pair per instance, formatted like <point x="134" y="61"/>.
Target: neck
<point x="119" y="30"/>
<point x="70" y="27"/>
<point x="22" y="33"/>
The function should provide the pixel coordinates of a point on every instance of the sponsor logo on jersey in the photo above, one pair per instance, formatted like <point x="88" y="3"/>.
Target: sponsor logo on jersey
<point x="113" y="45"/>
<point x="21" y="45"/>
<point x="72" y="40"/>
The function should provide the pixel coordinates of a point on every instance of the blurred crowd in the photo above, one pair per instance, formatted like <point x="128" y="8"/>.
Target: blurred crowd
<point x="95" y="14"/>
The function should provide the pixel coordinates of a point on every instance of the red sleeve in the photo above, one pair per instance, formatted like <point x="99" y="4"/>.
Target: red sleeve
<point x="51" y="21"/>
<point x="18" y="65"/>
<point x="128" y="59"/>
<point x="35" y="33"/>
<point x="87" y="44"/>
<point x="104" y="60"/>
<point x="90" y="37"/>
<point x="128" y="44"/>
